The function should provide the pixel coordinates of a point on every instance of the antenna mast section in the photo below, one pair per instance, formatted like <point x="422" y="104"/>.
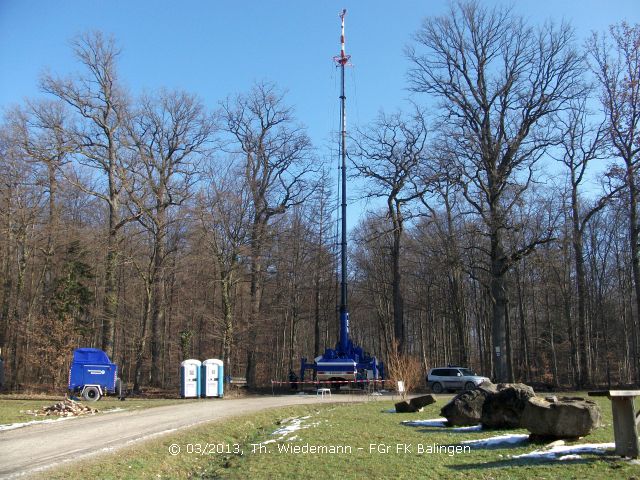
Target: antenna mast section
<point x="342" y="60"/>
<point x="348" y="362"/>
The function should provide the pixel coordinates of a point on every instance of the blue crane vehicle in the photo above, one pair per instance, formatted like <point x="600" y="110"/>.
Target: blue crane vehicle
<point x="347" y="362"/>
<point x="92" y="375"/>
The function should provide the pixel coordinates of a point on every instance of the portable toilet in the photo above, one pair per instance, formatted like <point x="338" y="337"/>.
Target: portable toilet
<point x="212" y="378"/>
<point x="190" y="378"/>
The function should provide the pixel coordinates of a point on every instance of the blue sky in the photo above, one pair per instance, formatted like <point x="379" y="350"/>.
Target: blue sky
<point x="216" y="48"/>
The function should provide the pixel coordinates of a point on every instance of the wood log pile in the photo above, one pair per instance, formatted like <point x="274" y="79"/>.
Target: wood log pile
<point x="66" y="408"/>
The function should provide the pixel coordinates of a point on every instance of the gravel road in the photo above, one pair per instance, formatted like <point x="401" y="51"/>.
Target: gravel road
<point x="29" y="450"/>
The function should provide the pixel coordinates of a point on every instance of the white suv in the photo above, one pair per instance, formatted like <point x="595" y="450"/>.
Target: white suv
<point x="453" y="378"/>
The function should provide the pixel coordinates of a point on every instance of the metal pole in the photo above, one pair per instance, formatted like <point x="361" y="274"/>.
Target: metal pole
<point x="344" y="313"/>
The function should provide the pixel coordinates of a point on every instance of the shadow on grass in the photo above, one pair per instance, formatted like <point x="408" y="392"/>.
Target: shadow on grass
<point x="497" y="446"/>
<point x="533" y="462"/>
<point x="429" y="429"/>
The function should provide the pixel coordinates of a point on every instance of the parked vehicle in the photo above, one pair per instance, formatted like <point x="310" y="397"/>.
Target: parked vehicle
<point x="92" y="375"/>
<point x="453" y="378"/>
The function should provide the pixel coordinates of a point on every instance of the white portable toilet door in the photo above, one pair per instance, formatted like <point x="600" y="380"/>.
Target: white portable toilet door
<point x="191" y="380"/>
<point x="212" y="380"/>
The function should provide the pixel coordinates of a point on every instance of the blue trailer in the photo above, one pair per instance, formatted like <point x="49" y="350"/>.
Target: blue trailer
<point x="92" y="375"/>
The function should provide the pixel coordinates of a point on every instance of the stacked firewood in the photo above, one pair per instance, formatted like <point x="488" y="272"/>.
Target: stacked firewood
<point x="66" y="408"/>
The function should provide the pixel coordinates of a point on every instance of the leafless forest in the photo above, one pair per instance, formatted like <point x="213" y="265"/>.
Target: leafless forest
<point x="503" y="234"/>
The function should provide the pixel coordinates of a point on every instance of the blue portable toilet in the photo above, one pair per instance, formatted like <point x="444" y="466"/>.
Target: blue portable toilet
<point x="190" y="378"/>
<point x="212" y="378"/>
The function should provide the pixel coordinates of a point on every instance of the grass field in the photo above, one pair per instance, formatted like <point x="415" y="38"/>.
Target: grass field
<point x="380" y="445"/>
<point x="13" y="408"/>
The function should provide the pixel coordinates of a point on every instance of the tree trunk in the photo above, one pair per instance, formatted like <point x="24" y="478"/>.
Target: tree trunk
<point x="110" y="303"/>
<point x="18" y="308"/>
<point x="158" y="298"/>
<point x="52" y="228"/>
<point x="227" y="311"/>
<point x="316" y="313"/>
<point x="111" y="289"/>
<point x="574" y="362"/>
<point x="456" y="294"/>
<point x="7" y="283"/>
<point x="509" y="344"/>
<point x="499" y="301"/>
<point x="255" y="299"/>
<point x="142" y="341"/>
<point x="456" y="299"/>
<point x="634" y="234"/>
<point x="584" y="341"/>
<point x="552" y="344"/>
<point x="398" y="300"/>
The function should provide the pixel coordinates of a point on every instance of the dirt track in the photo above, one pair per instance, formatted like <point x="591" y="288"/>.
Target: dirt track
<point x="31" y="449"/>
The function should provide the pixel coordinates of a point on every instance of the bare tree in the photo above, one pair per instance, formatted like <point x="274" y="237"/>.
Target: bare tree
<point x="167" y="135"/>
<point x="372" y="261"/>
<point x="223" y="210"/>
<point x="442" y="199"/>
<point x="389" y="154"/>
<point x="275" y="154"/>
<point x="319" y="212"/>
<point x="22" y="202"/>
<point x="500" y="83"/>
<point x="582" y="143"/>
<point x="616" y="64"/>
<point x="39" y="132"/>
<point x="100" y="105"/>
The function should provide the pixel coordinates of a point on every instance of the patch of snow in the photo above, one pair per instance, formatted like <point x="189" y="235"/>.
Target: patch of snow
<point x="13" y="426"/>
<point x="565" y="450"/>
<point x="441" y="422"/>
<point x="433" y="422"/>
<point x="509" y="439"/>
<point x="294" y="424"/>
<point x="570" y="457"/>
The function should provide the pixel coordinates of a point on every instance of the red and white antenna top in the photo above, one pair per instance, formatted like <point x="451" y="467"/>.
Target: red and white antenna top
<point x="343" y="58"/>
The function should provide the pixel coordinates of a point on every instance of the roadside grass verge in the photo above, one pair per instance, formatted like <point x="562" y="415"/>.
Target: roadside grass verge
<point x="373" y="442"/>
<point x="12" y="410"/>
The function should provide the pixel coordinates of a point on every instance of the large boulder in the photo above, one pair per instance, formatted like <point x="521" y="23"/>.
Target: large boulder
<point x="466" y="407"/>
<point x="420" y="402"/>
<point x="565" y="417"/>
<point x="504" y="408"/>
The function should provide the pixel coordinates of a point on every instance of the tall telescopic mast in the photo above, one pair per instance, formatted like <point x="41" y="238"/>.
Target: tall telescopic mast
<point x="342" y="60"/>
<point x="345" y="362"/>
